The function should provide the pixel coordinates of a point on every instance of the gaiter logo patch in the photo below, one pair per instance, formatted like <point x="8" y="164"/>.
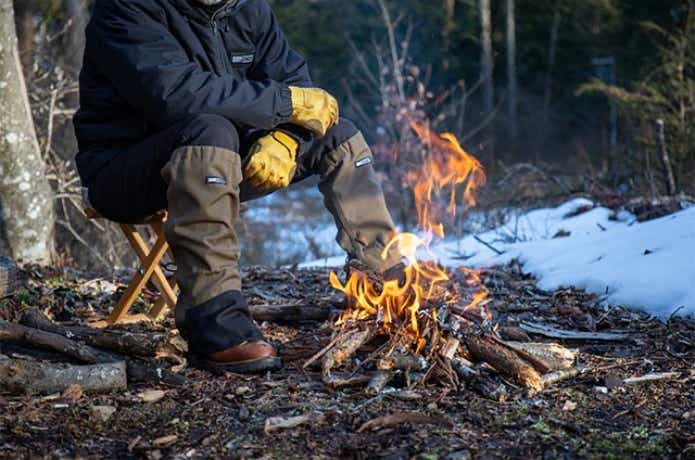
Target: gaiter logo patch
<point x="243" y="58"/>
<point x="215" y="180"/>
<point x="363" y="162"/>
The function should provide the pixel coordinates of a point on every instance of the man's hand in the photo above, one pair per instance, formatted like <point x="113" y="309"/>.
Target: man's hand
<point x="314" y="109"/>
<point x="272" y="161"/>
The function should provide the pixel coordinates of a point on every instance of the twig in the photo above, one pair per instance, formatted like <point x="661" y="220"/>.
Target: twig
<point x="488" y="245"/>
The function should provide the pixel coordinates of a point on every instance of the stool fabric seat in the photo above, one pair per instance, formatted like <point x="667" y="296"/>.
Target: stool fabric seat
<point x="150" y="258"/>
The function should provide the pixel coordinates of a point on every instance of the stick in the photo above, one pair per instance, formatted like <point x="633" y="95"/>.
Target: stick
<point x="547" y="331"/>
<point x="138" y="371"/>
<point x="464" y="369"/>
<point x="326" y="349"/>
<point x="401" y="363"/>
<point x="346" y="380"/>
<point x="505" y="361"/>
<point x="379" y="381"/>
<point x="142" y="345"/>
<point x="562" y="375"/>
<point x="27" y="377"/>
<point x="488" y="245"/>
<point x="651" y="378"/>
<point x="343" y="351"/>
<point x="553" y="356"/>
<point x="290" y="313"/>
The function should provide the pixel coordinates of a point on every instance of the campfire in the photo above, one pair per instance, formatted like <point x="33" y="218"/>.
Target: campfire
<point x="433" y="324"/>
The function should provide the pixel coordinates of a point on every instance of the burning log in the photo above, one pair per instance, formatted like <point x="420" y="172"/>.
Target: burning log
<point x="345" y="348"/>
<point x="505" y="361"/>
<point x="28" y="377"/>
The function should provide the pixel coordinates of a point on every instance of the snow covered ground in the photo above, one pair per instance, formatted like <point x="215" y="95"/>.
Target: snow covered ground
<point x="647" y="266"/>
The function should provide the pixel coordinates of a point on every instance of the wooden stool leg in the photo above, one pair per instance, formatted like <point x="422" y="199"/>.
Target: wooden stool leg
<point x="142" y="251"/>
<point x="150" y="264"/>
<point x="164" y="301"/>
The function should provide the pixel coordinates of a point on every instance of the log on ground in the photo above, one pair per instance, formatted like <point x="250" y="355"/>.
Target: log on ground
<point x="138" y="371"/>
<point x="128" y="343"/>
<point x="30" y="377"/>
<point x="505" y="361"/>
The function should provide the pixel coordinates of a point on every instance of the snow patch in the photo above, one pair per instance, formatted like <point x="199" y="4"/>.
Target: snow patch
<point x="645" y="266"/>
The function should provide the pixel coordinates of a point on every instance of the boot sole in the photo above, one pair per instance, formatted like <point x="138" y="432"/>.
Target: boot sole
<point x="255" y="366"/>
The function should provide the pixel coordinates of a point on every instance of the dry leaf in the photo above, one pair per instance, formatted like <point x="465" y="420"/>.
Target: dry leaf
<point x="151" y="396"/>
<point x="103" y="412"/>
<point x="73" y="392"/>
<point x="569" y="406"/>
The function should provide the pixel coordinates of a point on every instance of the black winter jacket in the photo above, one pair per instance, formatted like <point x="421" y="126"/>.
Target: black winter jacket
<point x="150" y="63"/>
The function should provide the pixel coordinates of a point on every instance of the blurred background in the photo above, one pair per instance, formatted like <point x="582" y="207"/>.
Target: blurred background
<point x="556" y="98"/>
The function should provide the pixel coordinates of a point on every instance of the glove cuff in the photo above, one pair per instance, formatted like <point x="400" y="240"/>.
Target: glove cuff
<point x="288" y="141"/>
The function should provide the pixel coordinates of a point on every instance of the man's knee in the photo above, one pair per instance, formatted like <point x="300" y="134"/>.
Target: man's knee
<point x="340" y="134"/>
<point x="208" y="130"/>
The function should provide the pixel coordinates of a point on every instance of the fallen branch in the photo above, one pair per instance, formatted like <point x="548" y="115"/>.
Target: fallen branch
<point x="547" y="331"/>
<point x="28" y="377"/>
<point x="128" y="343"/>
<point x="655" y="377"/>
<point x="504" y="360"/>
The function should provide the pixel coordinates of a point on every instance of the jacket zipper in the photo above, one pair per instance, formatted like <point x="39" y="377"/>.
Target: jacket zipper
<point x="219" y="42"/>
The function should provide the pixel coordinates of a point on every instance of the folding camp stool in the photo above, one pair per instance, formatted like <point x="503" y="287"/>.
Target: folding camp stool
<point x="150" y="258"/>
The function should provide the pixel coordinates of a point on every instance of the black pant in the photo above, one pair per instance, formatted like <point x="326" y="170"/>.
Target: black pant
<point x="131" y="187"/>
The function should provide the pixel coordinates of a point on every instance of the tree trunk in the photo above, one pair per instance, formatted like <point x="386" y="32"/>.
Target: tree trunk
<point x="25" y="195"/>
<point x="513" y="86"/>
<point x="76" y="11"/>
<point x="25" y="33"/>
<point x="552" y="57"/>
<point x="487" y="66"/>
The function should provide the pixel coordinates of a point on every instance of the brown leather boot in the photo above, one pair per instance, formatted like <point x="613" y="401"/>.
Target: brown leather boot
<point x="246" y="358"/>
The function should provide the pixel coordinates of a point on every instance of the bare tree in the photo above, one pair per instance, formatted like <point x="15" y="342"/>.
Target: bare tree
<point x="25" y="194"/>
<point x="76" y="11"/>
<point x="513" y="86"/>
<point x="487" y="63"/>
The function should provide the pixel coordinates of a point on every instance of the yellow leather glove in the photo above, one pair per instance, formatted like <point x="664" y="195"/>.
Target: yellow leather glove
<point x="314" y="109"/>
<point x="272" y="161"/>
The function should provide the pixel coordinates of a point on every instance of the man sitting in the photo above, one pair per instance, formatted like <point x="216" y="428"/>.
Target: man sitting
<point x="194" y="106"/>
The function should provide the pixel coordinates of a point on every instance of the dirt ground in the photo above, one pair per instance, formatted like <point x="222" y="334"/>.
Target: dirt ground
<point x="595" y="415"/>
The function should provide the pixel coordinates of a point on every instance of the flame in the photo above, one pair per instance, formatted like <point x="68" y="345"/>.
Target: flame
<point x="446" y="168"/>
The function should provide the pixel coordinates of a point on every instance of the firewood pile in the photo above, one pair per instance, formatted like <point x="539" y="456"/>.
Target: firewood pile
<point x="453" y="345"/>
<point x="99" y="360"/>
